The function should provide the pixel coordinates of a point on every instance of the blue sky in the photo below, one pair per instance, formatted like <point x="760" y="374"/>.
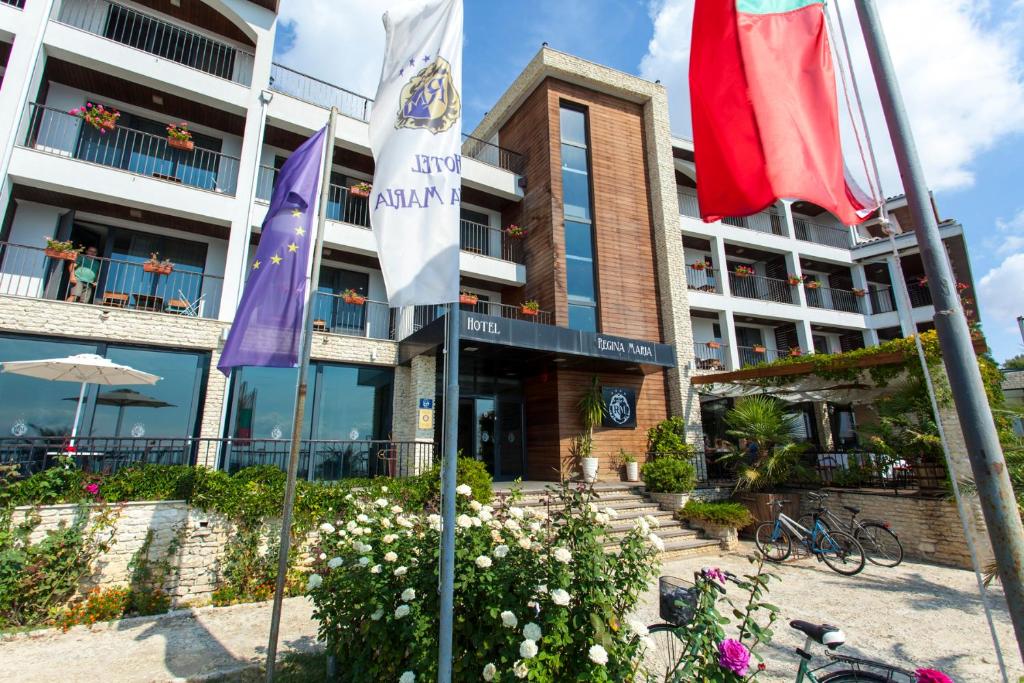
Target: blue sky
<point x="962" y="72"/>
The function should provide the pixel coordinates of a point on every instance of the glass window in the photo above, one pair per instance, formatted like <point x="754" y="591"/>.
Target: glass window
<point x="474" y="216"/>
<point x="576" y="194"/>
<point x="578" y="241"/>
<point x="574" y="158"/>
<point x="579" y="274"/>
<point x="131" y="249"/>
<point x="583" y="317"/>
<point x="573" y="126"/>
<point x="264" y="401"/>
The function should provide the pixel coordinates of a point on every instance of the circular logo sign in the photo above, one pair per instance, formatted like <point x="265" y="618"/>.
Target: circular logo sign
<point x="276" y="432"/>
<point x="619" y="411"/>
<point x="138" y="430"/>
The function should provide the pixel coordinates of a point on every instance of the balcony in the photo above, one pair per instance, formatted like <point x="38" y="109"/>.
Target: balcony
<point x="883" y="300"/>
<point x="817" y="233"/>
<point x="705" y="280"/>
<point x="146" y="32"/>
<point x="755" y="355"/>
<point x="371" y="319"/>
<point x="920" y="295"/>
<point x="125" y="284"/>
<point x="768" y="222"/>
<point x="711" y="355"/>
<point x="56" y="132"/>
<point x="345" y="207"/>
<point x="323" y="94"/>
<point x="834" y="299"/>
<point x="761" y="288"/>
<point x="424" y="315"/>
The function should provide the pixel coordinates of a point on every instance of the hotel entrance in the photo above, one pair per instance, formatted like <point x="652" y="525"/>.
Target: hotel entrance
<point x="491" y="430"/>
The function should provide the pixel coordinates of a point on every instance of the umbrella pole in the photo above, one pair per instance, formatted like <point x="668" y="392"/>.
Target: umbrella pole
<point x="120" y="419"/>
<point x="78" y="414"/>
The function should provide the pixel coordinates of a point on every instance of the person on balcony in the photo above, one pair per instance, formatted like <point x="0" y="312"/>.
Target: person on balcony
<point x="83" y="272"/>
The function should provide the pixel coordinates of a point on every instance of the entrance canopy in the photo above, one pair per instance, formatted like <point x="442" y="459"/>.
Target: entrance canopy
<point x="494" y="336"/>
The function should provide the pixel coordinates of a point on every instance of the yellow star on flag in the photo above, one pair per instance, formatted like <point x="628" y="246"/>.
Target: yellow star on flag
<point x="300" y="231"/>
<point x="296" y="213"/>
<point x="256" y="265"/>
<point x="293" y="247"/>
<point x="275" y="259"/>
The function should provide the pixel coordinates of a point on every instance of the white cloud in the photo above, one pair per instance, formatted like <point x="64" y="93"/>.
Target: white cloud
<point x="999" y="289"/>
<point x="960" y="72"/>
<point x="1010" y="234"/>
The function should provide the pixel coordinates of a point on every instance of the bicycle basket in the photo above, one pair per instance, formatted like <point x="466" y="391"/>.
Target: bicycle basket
<point x="880" y="671"/>
<point x="677" y="600"/>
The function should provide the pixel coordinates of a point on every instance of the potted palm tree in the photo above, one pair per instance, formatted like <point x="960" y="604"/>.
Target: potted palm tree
<point x="591" y="407"/>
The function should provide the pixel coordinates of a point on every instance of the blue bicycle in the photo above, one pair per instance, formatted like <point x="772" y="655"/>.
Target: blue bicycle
<point x="839" y="550"/>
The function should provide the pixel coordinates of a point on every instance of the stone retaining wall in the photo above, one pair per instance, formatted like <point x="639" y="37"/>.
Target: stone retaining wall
<point x="928" y="528"/>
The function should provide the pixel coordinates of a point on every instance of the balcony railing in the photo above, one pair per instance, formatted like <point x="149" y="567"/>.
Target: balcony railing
<point x="321" y="460"/>
<point x="834" y="299"/>
<point x="755" y="355"/>
<point x="492" y="154"/>
<point x="424" y="315"/>
<point x="57" y="132"/>
<point x="370" y="319"/>
<point x="766" y="221"/>
<point x="20" y="4"/>
<point x="883" y="300"/>
<point x="29" y="272"/>
<point x="710" y="357"/>
<point x="321" y="93"/>
<point x="920" y="295"/>
<point x="818" y="233"/>
<point x="761" y="288"/>
<point x="706" y="280"/>
<point x="343" y="206"/>
<point x="146" y="32"/>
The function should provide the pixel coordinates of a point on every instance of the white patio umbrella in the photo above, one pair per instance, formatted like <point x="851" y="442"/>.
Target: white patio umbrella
<point x="84" y="368"/>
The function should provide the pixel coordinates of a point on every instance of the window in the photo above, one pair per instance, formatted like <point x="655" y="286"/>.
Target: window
<point x="131" y="249"/>
<point x="580" y="274"/>
<point x="330" y="312"/>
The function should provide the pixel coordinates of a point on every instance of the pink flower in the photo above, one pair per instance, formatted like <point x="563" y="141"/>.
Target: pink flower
<point x="932" y="676"/>
<point x="714" y="573"/>
<point x="734" y="656"/>
<point x="93" y="488"/>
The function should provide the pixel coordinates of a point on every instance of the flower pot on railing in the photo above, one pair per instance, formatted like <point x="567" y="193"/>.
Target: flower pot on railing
<point x="794" y="280"/>
<point x="64" y="254"/>
<point x="758" y="348"/>
<point x="179" y="136"/>
<point x="795" y="353"/>
<point x="531" y="308"/>
<point x="714" y="345"/>
<point x="515" y="232"/>
<point x="350" y="296"/>
<point x="699" y="265"/>
<point x="178" y="143"/>
<point x="98" y="116"/>
<point x="360" y="190"/>
<point x="813" y="284"/>
<point x="468" y="299"/>
<point x="859" y="293"/>
<point x="743" y="271"/>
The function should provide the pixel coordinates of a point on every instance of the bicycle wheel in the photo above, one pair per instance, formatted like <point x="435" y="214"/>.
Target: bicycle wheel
<point x="774" y="548"/>
<point x="663" y="654"/>
<point x="851" y="676"/>
<point x="841" y="552"/>
<point x="881" y="545"/>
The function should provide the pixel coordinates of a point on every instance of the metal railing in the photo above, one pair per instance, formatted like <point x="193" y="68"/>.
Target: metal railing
<point x="370" y="319"/>
<point x="57" y="132"/>
<point x="766" y="221"/>
<point x="761" y="288"/>
<point x="705" y="280"/>
<point x="321" y="93"/>
<point x="883" y="300"/>
<point x="477" y="238"/>
<point x="30" y="272"/>
<point x="834" y="299"/>
<point x="829" y="235"/>
<point x="146" y="32"/>
<point x="20" y="4"/>
<point x="320" y="460"/>
<point x="855" y="469"/>
<point x="424" y="315"/>
<point x="919" y="294"/>
<point x="710" y="357"/>
<point x="755" y="355"/>
<point x="492" y="154"/>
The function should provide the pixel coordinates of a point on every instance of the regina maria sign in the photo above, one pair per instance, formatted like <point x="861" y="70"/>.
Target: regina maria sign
<point x="619" y="408"/>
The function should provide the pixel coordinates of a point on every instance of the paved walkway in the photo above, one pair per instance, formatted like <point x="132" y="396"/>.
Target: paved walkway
<point x="916" y="613"/>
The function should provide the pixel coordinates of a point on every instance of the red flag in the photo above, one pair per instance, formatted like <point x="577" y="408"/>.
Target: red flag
<point x="765" y="113"/>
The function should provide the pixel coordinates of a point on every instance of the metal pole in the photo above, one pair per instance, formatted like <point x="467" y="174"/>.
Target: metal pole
<point x="1020" y="324"/>
<point x="448" y="475"/>
<point x="300" y="402"/>
<point x="983" y="448"/>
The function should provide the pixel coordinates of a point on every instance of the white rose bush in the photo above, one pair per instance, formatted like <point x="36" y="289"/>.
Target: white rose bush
<point x="536" y="596"/>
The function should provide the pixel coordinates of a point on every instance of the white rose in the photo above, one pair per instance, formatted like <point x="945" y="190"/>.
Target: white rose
<point x="383" y="489"/>
<point x="401" y="571"/>
<point x="560" y="597"/>
<point x="390" y="556"/>
<point x="642" y="526"/>
<point x="351" y="526"/>
<point x="601" y="518"/>
<point x="377" y="615"/>
<point x="323" y="556"/>
<point x="464" y="490"/>
<point x="363" y="561"/>
<point x="508" y="619"/>
<point x="483" y="562"/>
<point x="335" y="562"/>
<point x="598" y="655"/>
<point x="637" y="627"/>
<point x="476" y="521"/>
<point x="534" y="527"/>
<point x="528" y="649"/>
<point x="515" y="512"/>
<point x="403" y="522"/>
<point x="520" y="670"/>
<point x="408" y="595"/>
<point x="563" y="555"/>
<point x="385" y="523"/>
<point x="543" y="588"/>
<point x="611" y="512"/>
<point x="381" y="503"/>
<point x="464" y="521"/>
<point x="656" y="541"/>
<point x="486" y="515"/>
<point x="525" y="543"/>
<point x="489" y="672"/>
<point x="532" y="631"/>
<point x="314" y="581"/>
<point x="496" y="536"/>
<point x="407" y="677"/>
<point x="401" y="611"/>
<point x="327" y="528"/>
<point x="653" y="521"/>
<point x="362" y="519"/>
<point x="390" y="538"/>
<point x="494" y="523"/>
<point x="342" y="533"/>
<point x="512" y="525"/>
<point x="396" y="509"/>
<point x="348" y="496"/>
<point x="375" y="569"/>
<point x="501" y="551"/>
<point x="475" y="505"/>
<point x="434" y="521"/>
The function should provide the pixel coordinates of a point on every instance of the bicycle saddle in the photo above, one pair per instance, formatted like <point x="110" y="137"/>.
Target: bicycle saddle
<point x="852" y="509"/>
<point x="829" y="636"/>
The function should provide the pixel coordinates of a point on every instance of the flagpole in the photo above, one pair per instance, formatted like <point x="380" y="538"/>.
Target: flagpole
<point x="300" y="400"/>
<point x="980" y="437"/>
<point x="449" y="470"/>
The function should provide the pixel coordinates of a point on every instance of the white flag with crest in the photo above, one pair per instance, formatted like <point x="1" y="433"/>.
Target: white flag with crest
<point x="416" y="137"/>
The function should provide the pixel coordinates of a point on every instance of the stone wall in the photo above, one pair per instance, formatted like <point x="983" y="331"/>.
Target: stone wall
<point x="928" y="528"/>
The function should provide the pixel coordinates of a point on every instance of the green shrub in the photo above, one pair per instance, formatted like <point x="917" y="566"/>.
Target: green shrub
<point x="726" y="513"/>
<point x="669" y="475"/>
<point x="150" y="482"/>
<point x="470" y="471"/>
<point x="669" y="438"/>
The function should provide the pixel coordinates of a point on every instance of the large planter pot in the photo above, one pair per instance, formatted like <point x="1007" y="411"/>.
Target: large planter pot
<point x="728" y="535"/>
<point x="63" y="255"/>
<point x="761" y="506"/>
<point x="670" y="502"/>
<point x="632" y="471"/>
<point x="184" y="145"/>
<point x="589" y="469"/>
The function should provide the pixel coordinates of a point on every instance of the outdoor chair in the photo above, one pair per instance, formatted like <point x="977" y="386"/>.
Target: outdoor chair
<point x="182" y="306"/>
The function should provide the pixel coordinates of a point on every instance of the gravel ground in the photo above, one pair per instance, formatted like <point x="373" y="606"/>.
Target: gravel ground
<point x="916" y="615"/>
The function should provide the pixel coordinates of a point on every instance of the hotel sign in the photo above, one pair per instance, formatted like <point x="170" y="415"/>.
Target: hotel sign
<point x="519" y="333"/>
<point x="619" y="408"/>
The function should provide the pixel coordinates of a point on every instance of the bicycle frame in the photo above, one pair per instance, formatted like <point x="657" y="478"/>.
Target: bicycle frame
<point x="805" y="536"/>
